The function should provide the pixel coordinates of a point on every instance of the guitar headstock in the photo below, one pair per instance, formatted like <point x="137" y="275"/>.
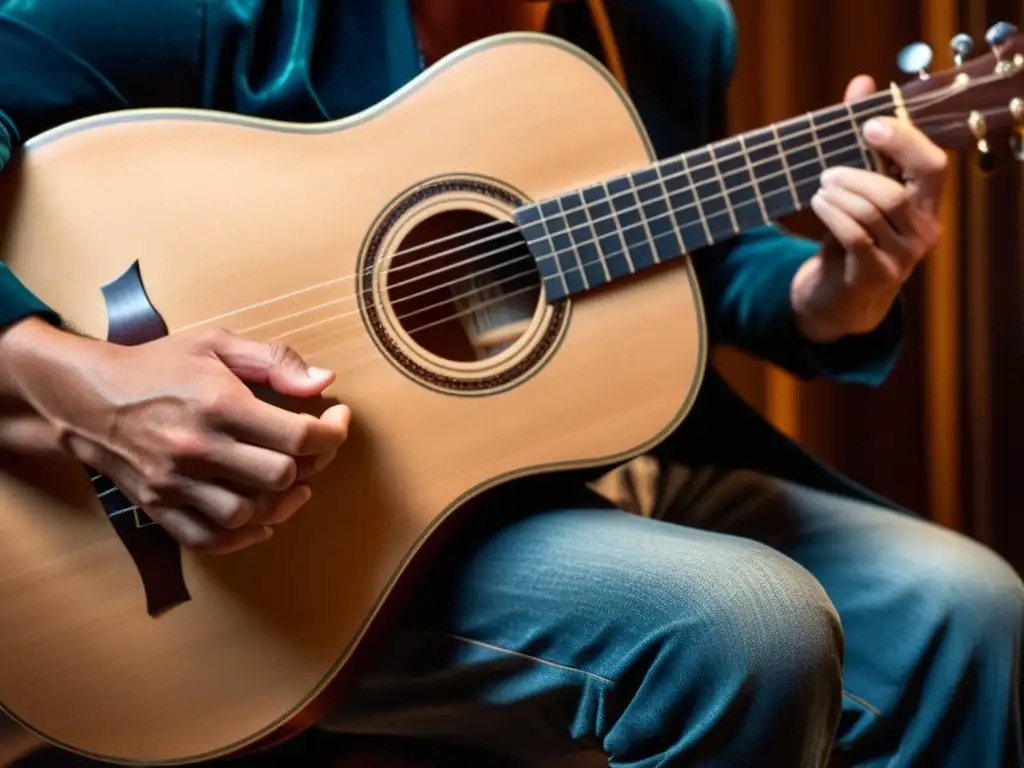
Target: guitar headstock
<point x="977" y="102"/>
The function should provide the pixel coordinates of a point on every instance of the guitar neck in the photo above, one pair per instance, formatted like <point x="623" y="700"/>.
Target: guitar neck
<point x="589" y="237"/>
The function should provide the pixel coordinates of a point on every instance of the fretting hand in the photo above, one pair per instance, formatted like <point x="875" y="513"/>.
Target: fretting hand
<point x="879" y="231"/>
<point x="173" y="424"/>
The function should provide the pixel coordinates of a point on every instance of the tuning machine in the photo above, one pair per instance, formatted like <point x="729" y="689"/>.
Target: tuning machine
<point x="1017" y="137"/>
<point x="962" y="46"/>
<point x="979" y="129"/>
<point x="997" y="38"/>
<point x="915" y="59"/>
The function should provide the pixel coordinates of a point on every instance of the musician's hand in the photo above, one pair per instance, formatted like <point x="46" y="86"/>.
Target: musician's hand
<point x="173" y="424"/>
<point x="879" y="228"/>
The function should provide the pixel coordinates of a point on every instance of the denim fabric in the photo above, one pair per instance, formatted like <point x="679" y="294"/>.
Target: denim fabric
<point x="758" y="623"/>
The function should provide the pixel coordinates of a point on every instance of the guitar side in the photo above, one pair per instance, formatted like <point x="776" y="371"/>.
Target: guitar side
<point x="231" y="221"/>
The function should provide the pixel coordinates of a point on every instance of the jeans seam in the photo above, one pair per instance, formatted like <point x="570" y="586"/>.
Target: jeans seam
<point x="530" y="657"/>
<point x="863" y="702"/>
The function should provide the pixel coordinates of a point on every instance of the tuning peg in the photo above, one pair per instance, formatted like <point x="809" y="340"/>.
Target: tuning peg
<point x="979" y="128"/>
<point x="915" y="60"/>
<point x="1017" y="147"/>
<point x="962" y="46"/>
<point x="999" y="35"/>
<point x="1017" y="137"/>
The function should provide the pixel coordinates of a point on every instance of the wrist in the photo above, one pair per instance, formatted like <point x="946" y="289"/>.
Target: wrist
<point x="24" y="345"/>
<point x="813" y="325"/>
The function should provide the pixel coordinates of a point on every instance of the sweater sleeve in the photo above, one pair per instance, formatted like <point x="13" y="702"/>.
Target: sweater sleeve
<point x="16" y="301"/>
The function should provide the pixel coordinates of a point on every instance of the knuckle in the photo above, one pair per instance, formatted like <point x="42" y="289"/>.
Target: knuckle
<point x="859" y="240"/>
<point x="185" y="444"/>
<point x="197" y="539"/>
<point x="305" y="425"/>
<point x="148" y="495"/>
<point x="897" y="199"/>
<point x="283" y="474"/>
<point x="237" y="512"/>
<point x="282" y="353"/>
<point x="214" y="337"/>
<point x="161" y="486"/>
<point x="216" y="402"/>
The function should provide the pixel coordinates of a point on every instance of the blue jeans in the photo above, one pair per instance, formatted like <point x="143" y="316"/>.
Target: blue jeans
<point x="755" y="623"/>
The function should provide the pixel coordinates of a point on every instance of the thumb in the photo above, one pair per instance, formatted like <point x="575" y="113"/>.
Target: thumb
<point x="859" y="87"/>
<point x="277" y="365"/>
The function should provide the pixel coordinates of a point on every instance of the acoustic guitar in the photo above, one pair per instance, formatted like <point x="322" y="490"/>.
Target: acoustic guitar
<point x="496" y="266"/>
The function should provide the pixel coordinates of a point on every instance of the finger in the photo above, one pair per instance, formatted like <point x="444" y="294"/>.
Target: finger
<point x="223" y="506"/>
<point x="195" y="532"/>
<point x="859" y="87"/>
<point x="281" y="507"/>
<point x="887" y="195"/>
<point x="855" y="240"/>
<point x="921" y="161"/>
<point x="256" y="362"/>
<point x="864" y="213"/>
<point x="29" y="434"/>
<point x="295" y="434"/>
<point x="917" y="233"/>
<point x="311" y="466"/>
<point x="250" y="467"/>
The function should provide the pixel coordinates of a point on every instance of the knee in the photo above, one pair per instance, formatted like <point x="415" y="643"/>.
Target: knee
<point x="965" y="591"/>
<point x="760" y="629"/>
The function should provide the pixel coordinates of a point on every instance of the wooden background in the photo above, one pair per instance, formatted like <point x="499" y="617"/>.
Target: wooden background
<point x="944" y="434"/>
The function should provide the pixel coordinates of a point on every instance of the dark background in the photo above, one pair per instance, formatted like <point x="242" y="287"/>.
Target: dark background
<point x="945" y="435"/>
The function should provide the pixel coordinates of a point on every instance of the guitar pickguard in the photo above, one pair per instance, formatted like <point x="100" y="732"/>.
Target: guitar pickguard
<point x="132" y="320"/>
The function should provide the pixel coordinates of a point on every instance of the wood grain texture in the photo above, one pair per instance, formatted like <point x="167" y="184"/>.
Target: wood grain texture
<point x="224" y="214"/>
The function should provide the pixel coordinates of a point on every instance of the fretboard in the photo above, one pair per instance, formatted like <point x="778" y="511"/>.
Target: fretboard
<point x="588" y="237"/>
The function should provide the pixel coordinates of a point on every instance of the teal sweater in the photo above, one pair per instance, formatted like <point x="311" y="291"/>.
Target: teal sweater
<point x="316" y="60"/>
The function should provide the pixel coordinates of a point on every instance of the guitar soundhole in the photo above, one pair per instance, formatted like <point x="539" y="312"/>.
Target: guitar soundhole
<point x="463" y="286"/>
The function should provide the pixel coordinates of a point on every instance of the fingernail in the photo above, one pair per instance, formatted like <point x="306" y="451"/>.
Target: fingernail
<point x="876" y="130"/>
<point x="267" y="532"/>
<point x="317" y="373"/>
<point x="303" y="493"/>
<point x="829" y="175"/>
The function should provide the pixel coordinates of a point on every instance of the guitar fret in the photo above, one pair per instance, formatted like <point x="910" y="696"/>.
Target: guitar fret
<point x="716" y="164"/>
<point x="752" y="176"/>
<point x="532" y="227"/>
<point x="609" y="239"/>
<point x="816" y="141"/>
<point x="710" y="195"/>
<point x="584" y="240"/>
<point x="865" y="152"/>
<point x="687" y="212"/>
<point x="803" y="158"/>
<point x="573" y="249"/>
<point x="742" y="195"/>
<point x="838" y="138"/>
<point x="777" y="143"/>
<point x="646" y="197"/>
<point x="661" y="228"/>
<point x="771" y="172"/>
<point x="565" y="254"/>
<point x="634" y="234"/>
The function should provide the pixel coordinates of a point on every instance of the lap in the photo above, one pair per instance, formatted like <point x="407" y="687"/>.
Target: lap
<point x="530" y="629"/>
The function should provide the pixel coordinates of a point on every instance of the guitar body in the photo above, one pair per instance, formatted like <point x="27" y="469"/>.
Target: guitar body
<point x="118" y="645"/>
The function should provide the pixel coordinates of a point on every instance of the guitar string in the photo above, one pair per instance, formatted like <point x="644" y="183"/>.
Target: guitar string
<point x="879" y="109"/>
<point x="364" y="338"/>
<point x="603" y="259"/>
<point x="916" y="101"/>
<point x="670" y="211"/>
<point x="913" y="101"/>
